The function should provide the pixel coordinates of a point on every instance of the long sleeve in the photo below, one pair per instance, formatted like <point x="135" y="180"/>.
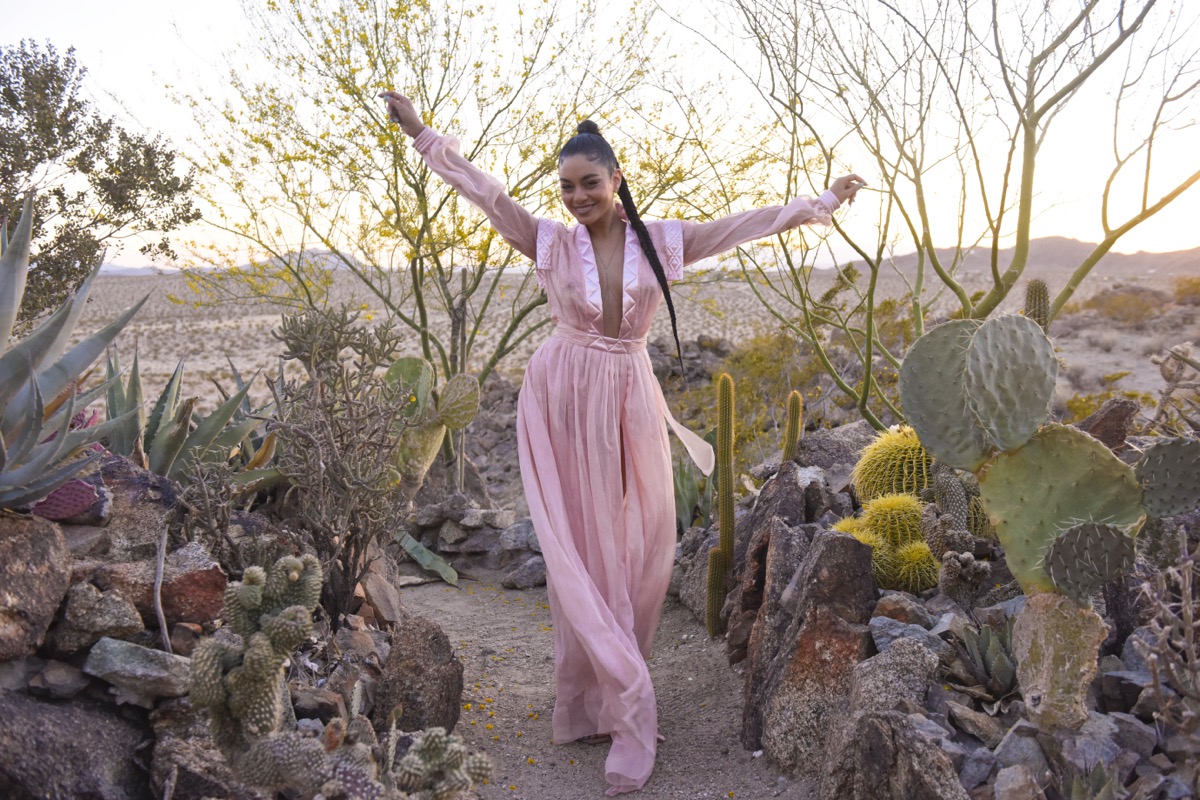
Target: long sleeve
<point x="704" y="239"/>
<point x="517" y="226"/>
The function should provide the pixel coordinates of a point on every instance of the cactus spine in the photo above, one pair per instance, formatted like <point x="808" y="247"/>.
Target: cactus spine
<point x="718" y="566"/>
<point x="1037" y="303"/>
<point x="795" y="423"/>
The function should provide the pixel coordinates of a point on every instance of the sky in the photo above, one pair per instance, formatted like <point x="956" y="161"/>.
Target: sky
<point x="132" y="48"/>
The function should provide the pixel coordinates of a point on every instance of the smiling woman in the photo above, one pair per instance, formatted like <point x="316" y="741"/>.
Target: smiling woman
<point x="595" y="460"/>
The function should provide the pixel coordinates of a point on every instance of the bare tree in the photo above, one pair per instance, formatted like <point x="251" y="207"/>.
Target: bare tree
<point x="955" y="93"/>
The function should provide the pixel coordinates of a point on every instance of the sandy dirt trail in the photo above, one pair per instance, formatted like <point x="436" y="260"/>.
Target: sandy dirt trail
<point x="506" y="642"/>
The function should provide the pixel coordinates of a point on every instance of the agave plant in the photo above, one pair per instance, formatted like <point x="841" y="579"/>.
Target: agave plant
<point x="39" y="450"/>
<point x="172" y="437"/>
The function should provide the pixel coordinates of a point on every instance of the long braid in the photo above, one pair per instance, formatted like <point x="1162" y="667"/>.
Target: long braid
<point x="648" y="248"/>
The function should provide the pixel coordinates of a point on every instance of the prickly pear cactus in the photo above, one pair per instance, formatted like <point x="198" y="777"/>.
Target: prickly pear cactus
<point x="1061" y="477"/>
<point x="1085" y="557"/>
<point x="895" y="463"/>
<point x="934" y="398"/>
<point x="1055" y="642"/>
<point x="459" y="402"/>
<point x="1169" y="472"/>
<point x="415" y="375"/>
<point x="1010" y="377"/>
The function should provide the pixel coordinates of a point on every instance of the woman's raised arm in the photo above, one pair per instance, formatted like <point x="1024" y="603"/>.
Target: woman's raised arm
<point x="508" y="217"/>
<point x="704" y="239"/>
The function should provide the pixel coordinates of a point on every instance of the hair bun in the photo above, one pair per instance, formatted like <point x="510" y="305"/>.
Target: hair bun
<point x="587" y="126"/>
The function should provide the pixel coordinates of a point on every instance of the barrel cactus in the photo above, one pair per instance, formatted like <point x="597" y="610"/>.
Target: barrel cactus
<point x="894" y="463"/>
<point x="40" y="450"/>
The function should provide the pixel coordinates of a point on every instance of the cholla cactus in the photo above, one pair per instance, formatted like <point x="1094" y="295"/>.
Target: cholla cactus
<point x="39" y="450"/>
<point x="242" y="686"/>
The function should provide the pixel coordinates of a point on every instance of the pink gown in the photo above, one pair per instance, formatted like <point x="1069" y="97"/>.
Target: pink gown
<point x="587" y="399"/>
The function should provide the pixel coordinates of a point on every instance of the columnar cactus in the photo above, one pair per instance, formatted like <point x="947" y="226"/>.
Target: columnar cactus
<point x="795" y="424"/>
<point x="719" y="566"/>
<point x="1037" y="303"/>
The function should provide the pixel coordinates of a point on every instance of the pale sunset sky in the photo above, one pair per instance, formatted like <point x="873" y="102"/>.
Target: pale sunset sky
<point x="131" y="48"/>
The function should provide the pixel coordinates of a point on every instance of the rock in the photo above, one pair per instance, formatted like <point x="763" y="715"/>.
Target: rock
<point x="903" y="607"/>
<point x="889" y="758"/>
<point x="1133" y="734"/>
<point x="68" y="750"/>
<point x="138" y="673"/>
<point x="901" y="672"/>
<point x="979" y="766"/>
<point x="984" y="728"/>
<point x="529" y="573"/>
<point x="381" y="593"/>
<point x="1141" y="639"/>
<point x="517" y="535"/>
<point x="693" y="584"/>
<point x="997" y="616"/>
<point x="1056" y="645"/>
<point x="774" y="549"/>
<point x="422" y="676"/>
<point x="482" y="540"/>
<point x="59" y="681"/>
<point x="184" y="638"/>
<point x="1112" y="422"/>
<point x="1020" y="747"/>
<point x="835" y="449"/>
<point x="1094" y="743"/>
<point x="885" y="631"/>
<point x="499" y="518"/>
<point x="142" y="505"/>
<point x="450" y="534"/>
<point x="193" y="588"/>
<point x="1017" y="783"/>
<point x="811" y="687"/>
<point x="186" y="757"/>
<point x="534" y="544"/>
<point x="311" y="702"/>
<point x="1129" y="691"/>
<point x="90" y="615"/>
<point x="834" y="574"/>
<point x="35" y="571"/>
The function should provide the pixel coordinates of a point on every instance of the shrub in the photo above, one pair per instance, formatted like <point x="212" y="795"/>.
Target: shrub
<point x="1187" y="290"/>
<point x="1127" y="305"/>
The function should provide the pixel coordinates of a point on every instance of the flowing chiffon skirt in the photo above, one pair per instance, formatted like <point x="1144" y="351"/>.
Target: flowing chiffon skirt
<point x="595" y="464"/>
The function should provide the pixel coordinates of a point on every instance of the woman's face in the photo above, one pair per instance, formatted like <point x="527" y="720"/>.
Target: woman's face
<point x="588" y="188"/>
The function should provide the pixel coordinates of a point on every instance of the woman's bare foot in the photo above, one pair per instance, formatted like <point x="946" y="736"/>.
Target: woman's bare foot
<point x="595" y="738"/>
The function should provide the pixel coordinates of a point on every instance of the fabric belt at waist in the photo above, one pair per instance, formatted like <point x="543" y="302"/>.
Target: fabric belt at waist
<point x="598" y="342"/>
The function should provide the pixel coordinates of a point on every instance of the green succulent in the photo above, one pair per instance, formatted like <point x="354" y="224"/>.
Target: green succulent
<point x="39" y="379"/>
<point x="987" y="654"/>
<point x="895" y="463"/>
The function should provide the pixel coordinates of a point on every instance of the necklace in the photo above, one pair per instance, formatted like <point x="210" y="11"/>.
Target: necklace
<point x="606" y="263"/>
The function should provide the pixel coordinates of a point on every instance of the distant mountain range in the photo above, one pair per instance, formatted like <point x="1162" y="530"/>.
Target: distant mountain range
<point x="1051" y="254"/>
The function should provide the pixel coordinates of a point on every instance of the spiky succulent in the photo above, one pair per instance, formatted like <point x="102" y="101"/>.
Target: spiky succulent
<point x="795" y="424"/>
<point x="987" y="654"/>
<point x="895" y="518"/>
<point x="39" y="383"/>
<point x="895" y="463"/>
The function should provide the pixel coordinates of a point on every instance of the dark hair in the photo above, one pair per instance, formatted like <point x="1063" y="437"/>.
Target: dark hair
<point x="590" y="144"/>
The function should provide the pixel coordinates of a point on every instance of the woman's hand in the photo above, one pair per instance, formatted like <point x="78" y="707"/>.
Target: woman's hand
<point x="846" y="187"/>
<point x="401" y="110"/>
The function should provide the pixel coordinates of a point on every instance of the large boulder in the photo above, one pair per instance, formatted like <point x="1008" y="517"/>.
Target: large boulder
<point x="835" y="450"/>
<point x="35" y="571"/>
<point x="142" y="505"/>
<point x="76" y="750"/>
<point x="138" y="674"/>
<point x="797" y="679"/>
<point x="89" y="615"/>
<point x="422" y="676"/>
<point x="891" y="757"/>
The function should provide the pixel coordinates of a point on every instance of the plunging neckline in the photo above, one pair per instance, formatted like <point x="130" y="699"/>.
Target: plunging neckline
<point x="591" y="274"/>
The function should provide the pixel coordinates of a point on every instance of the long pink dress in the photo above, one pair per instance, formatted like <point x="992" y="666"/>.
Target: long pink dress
<point x="609" y="543"/>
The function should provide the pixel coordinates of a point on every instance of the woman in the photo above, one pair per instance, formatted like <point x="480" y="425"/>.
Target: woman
<point x="595" y="460"/>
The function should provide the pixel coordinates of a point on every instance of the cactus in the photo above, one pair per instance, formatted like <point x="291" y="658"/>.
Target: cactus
<point x="895" y="518"/>
<point x="951" y="497"/>
<point x="892" y="464"/>
<point x="715" y="589"/>
<point x="39" y="450"/>
<point x="720" y="564"/>
<point x="1037" y="303"/>
<point x="883" y="560"/>
<point x="795" y="424"/>
<point x="1010" y="377"/>
<point x="241" y="685"/>
<point x="978" y="522"/>
<point x="1061" y="477"/>
<point x="987" y="654"/>
<point x="1085" y="557"/>
<point x="962" y="578"/>
<point x="915" y="570"/>
<point x="1169" y="473"/>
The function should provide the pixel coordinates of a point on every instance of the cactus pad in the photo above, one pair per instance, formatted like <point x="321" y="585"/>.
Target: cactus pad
<point x="1087" y="556"/>
<point x="416" y="375"/>
<point x="1169" y="473"/>
<point x="895" y="463"/>
<point x="1061" y="477"/>
<point x="934" y="399"/>
<point x="1010" y="377"/>
<point x="459" y="402"/>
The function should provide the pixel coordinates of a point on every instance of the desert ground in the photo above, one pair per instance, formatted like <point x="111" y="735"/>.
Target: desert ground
<point x="504" y="636"/>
